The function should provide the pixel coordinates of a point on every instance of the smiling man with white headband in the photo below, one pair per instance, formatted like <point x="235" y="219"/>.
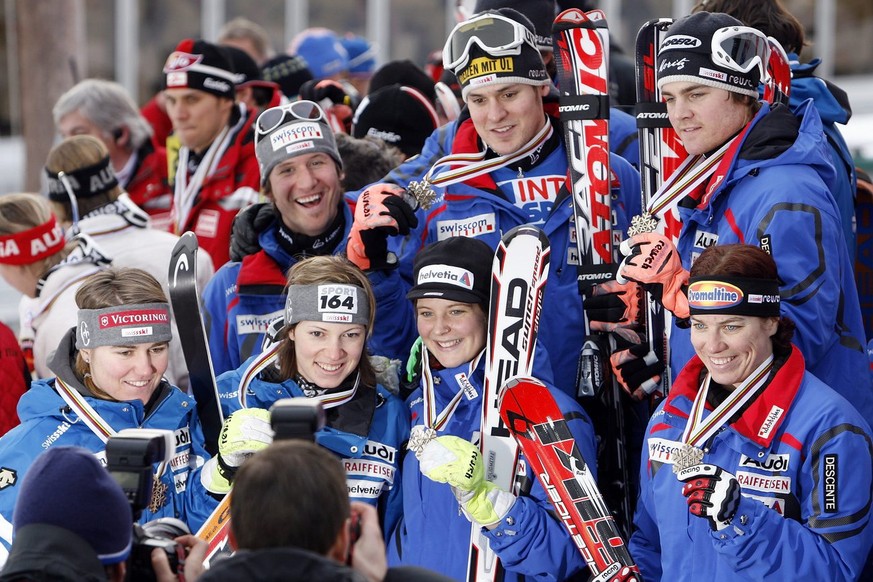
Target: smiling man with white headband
<point x="769" y="185"/>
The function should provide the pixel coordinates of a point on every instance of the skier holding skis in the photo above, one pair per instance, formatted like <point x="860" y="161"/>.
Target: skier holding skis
<point x="769" y="186"/>
<point x="109" y="376"/>
<point x="771" y="469"/>
<point x="319" y="353"/>
<point x="444" y="487"/>
<point x="307" y="215"/>
<point x="507" y="167"/>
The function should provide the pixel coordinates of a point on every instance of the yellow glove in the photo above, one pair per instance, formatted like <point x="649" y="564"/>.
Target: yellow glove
<point x="244" y="433"/>
<point x="453" y="460"/>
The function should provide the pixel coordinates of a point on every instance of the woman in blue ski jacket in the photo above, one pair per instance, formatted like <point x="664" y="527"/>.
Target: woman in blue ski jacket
<point x="109" y="376"/>
<point x="446" y="408"/>
<point x="754" y="469"/>
<point x="320" y="353"/>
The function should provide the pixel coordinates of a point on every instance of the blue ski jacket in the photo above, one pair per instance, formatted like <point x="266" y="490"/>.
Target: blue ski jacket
<point x="833" y="107"/>
<point x="243" y="298"/>
<point x="47" y="421"/>
<point x="477" y="208"/>
<point x="776" y="196"/>
<point x="368" y="434"/>
<point x="802" y="456"/>
<point x="433" y="532"/>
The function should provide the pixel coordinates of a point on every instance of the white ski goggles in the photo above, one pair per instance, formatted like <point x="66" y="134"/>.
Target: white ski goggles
<point x="495" y="34"/>
<point x="276" y="116"/>
<point x="740" y="48"/>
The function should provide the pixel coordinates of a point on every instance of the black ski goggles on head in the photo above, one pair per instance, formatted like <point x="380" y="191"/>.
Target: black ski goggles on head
<point x="272" y="118"/>
<point x="740" y="48"/>
<point x="495" y="34"/>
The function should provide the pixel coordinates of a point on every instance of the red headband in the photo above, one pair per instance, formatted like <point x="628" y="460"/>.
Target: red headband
<point x="33" y="244"/>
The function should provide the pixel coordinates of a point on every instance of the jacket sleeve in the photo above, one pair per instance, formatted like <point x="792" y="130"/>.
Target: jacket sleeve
<point x="833" y="537"/>
<point x="391" y="505"/>
<point x="215" y="319"/>
<point x="198" y="503"/>
<point x="645" y="542"/>
<point x="394" y="329"/>
<point x="530" y="540"/>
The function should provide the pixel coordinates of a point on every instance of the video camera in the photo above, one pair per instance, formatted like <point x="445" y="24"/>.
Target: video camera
<point x="130" y="458"/>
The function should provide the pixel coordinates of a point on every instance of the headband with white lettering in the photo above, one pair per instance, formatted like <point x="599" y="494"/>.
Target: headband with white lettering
<point x="327" y="302"/>
<point x="31" y="245"/>
<point x="83" y="183"/>
<point x="124" y="325"/>
<point x="710" y="294"/>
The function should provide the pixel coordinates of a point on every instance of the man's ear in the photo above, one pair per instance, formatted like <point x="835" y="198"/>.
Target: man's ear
<point x="340" y="550"/>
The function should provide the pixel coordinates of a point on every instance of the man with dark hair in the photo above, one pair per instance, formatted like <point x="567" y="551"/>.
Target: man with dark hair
<point x="291" y="520"/>
<point x="214" y="171"/>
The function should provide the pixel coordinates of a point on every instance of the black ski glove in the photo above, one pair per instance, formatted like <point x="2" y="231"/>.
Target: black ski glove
<point x="247" y="225"/>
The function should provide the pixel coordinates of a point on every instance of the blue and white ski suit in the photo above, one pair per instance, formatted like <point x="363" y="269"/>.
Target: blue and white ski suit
<point x="802" y="456"/>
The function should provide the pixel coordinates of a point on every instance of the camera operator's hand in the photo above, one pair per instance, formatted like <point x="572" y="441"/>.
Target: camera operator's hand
<point x="195" y="552"/>
<point x="244" y="433"/>
<point x="367" y="554"/>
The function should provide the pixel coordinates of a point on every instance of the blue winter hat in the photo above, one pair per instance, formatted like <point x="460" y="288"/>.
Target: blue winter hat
<point x="67" y="487"/>
<point x="321" y="49"/>
<point x="362" y="55"/>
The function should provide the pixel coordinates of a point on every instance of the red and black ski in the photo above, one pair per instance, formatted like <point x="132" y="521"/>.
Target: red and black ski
<point x="581" y="44"/>
<point x="519" y="273"/>
<point x="534" y="419"/>
<point x="185" y="299"/>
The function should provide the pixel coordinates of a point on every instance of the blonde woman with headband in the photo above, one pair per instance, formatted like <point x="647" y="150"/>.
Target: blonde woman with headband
<point x="109" y="375"/>
<point x="320" y="353"/>
<point x="37" y="261"/>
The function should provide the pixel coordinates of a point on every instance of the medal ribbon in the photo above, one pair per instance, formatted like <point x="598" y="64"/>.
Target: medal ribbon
<point x="185" y="193"/>
<point x="469" y="166"/>
<point x="431" y="418"/>
<point x="269" y="356"/>
<point x="92" y="418"/>
<point x="698" y="431"/>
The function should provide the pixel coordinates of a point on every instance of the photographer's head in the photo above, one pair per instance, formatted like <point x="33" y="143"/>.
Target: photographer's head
<point x="123" y="334"/>
<point x="328" y="315"/>
<point x="79" y="530"/>
<point x="292" y="494"/>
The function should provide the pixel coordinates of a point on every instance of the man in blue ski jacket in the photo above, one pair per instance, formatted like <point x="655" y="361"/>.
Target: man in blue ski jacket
<point x="307" y="215"/>
<point x="769" y="188"/>
<point x="519" y="178"/>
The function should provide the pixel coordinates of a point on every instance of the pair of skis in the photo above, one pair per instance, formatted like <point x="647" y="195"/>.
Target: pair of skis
<point x="519" y="411"/>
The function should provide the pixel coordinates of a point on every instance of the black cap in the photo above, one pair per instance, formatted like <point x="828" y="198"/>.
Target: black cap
<point x="398" y="115"/>
<point x="457" y="268"/>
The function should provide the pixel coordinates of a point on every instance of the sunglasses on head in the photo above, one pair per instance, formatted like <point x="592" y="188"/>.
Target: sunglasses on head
<point x="274" y="117"/>
<point x="495" y="34"/>
<point x="740" y="48"/>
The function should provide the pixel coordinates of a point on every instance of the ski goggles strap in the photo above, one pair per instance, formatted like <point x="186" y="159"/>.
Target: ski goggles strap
<point x="740" y="48"/>
<point x="497" y="35"/>
<point x="276" y="116"/>
<point x="124" y="325"/>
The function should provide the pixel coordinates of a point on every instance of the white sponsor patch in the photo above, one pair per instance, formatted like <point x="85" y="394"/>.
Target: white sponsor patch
<point x="774" y="503"/>
<point x="768" y="483"/>
<point x="180" y="480"/>
<point x="446" y="274"/>
<point x="381" y="450"/>
<point x="369" y="468"/>
<point x="362" y="489"/>
<point x="136" y="331"/>
<point x="775" y="463"/>
<point x="710" y="74"/>
<point x="246" y="324"/>
<point x="770" y="422"/>
<point x="662" y="449"/>
<point x="207" y="223"/>
<point x="704" y="240"/>
<point x="535" y="189"/>
<point x="476" y="81"/>
<point x="473" y="226"/>
<point x="337" y="303"/>
<point x="295" y="132"/>
<point x="470" y="391"/>
<point x="177" y="79"/>
<point x="180" y="461"/>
